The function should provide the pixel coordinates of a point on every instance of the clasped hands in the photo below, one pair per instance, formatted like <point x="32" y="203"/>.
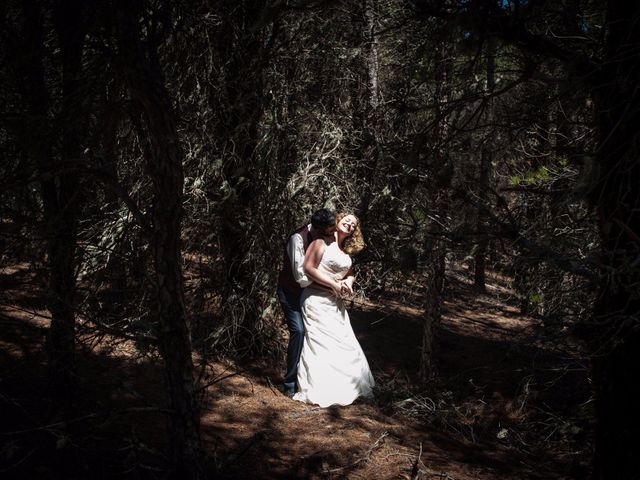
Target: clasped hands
<point x="343" y="288"/>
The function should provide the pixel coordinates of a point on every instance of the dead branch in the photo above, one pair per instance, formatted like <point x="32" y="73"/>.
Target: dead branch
<point x="362" y="459"/>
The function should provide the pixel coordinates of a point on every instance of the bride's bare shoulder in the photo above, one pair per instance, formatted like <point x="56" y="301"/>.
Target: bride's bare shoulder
<point x="321" y="242"/>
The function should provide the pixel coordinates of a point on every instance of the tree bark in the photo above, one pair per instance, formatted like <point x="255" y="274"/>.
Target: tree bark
<point x="480" y="256"/>
<point x="436" y="247"/>
<point x="370" y="148"/>
<point x="70" y="28"/>
<point x="435" y="275"/>
<point x="59" y="191"/>
<point x="164" y="163"/>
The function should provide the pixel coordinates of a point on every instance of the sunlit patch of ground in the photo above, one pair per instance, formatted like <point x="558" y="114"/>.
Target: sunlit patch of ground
<point x="501" y="392"/>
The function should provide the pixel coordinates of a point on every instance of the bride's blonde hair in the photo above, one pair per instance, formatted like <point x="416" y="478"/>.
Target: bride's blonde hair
<point x="354" y="243"/>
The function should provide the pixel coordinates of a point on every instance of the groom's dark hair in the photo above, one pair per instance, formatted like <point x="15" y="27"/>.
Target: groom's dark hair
<point x="323" y="218"/>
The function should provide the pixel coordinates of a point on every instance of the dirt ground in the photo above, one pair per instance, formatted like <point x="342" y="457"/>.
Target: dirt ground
<point x="509" y="402"/>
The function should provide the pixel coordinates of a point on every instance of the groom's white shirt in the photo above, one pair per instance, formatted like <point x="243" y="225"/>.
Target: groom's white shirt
<point x="295" y="250"/>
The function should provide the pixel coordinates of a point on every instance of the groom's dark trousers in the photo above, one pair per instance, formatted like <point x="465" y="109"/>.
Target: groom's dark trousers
<point x="290" y="302"/>
<point x="289" y="292"/>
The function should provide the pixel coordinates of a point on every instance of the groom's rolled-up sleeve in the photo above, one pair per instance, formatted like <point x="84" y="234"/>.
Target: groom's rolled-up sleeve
<point x="295" y="249"/>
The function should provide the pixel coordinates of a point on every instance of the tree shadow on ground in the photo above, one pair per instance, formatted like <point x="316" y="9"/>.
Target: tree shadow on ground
<point x="113" y="426"/>
<point x="497" y="384"/>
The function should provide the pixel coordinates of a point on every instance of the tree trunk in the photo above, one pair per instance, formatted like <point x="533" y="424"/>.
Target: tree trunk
<point x="59" y="191"/>
<point x="370" y="149"/>
<point x="432" y="310"/>
<point x="70" y="28"/>
<point x="147" y="90"/>
<point x="440" y="205"/>
<point x="242" y="49"/>
<point x="480" y="257"/>
<point x="480" y="254"/>
<point x="616" y="340"/>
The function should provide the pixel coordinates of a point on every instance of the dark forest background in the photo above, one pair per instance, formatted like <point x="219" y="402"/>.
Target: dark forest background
<point x="155" y="156"/>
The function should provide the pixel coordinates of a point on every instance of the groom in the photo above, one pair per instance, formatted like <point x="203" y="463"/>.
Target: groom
<point x="291" y="281"/>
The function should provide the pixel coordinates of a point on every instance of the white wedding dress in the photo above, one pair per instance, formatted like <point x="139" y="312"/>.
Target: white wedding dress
<point x="333" y="369"/>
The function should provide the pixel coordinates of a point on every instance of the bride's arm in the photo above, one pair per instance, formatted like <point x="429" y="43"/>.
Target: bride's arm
<point x="319" y="286"/>
<point x="312" y="261"/>
<point x="348" y="280"/>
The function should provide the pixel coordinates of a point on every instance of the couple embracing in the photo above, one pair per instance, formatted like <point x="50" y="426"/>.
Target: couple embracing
<point x="325" y="363"/>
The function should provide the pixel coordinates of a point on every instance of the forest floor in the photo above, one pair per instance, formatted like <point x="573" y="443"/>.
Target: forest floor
<point x="510" y="402"/>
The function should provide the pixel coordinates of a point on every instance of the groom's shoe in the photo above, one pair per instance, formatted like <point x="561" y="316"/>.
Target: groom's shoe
<point x="286" y="391"/>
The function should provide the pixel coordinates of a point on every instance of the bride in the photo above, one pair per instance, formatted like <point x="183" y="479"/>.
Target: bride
<point x="333" y="369"/>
